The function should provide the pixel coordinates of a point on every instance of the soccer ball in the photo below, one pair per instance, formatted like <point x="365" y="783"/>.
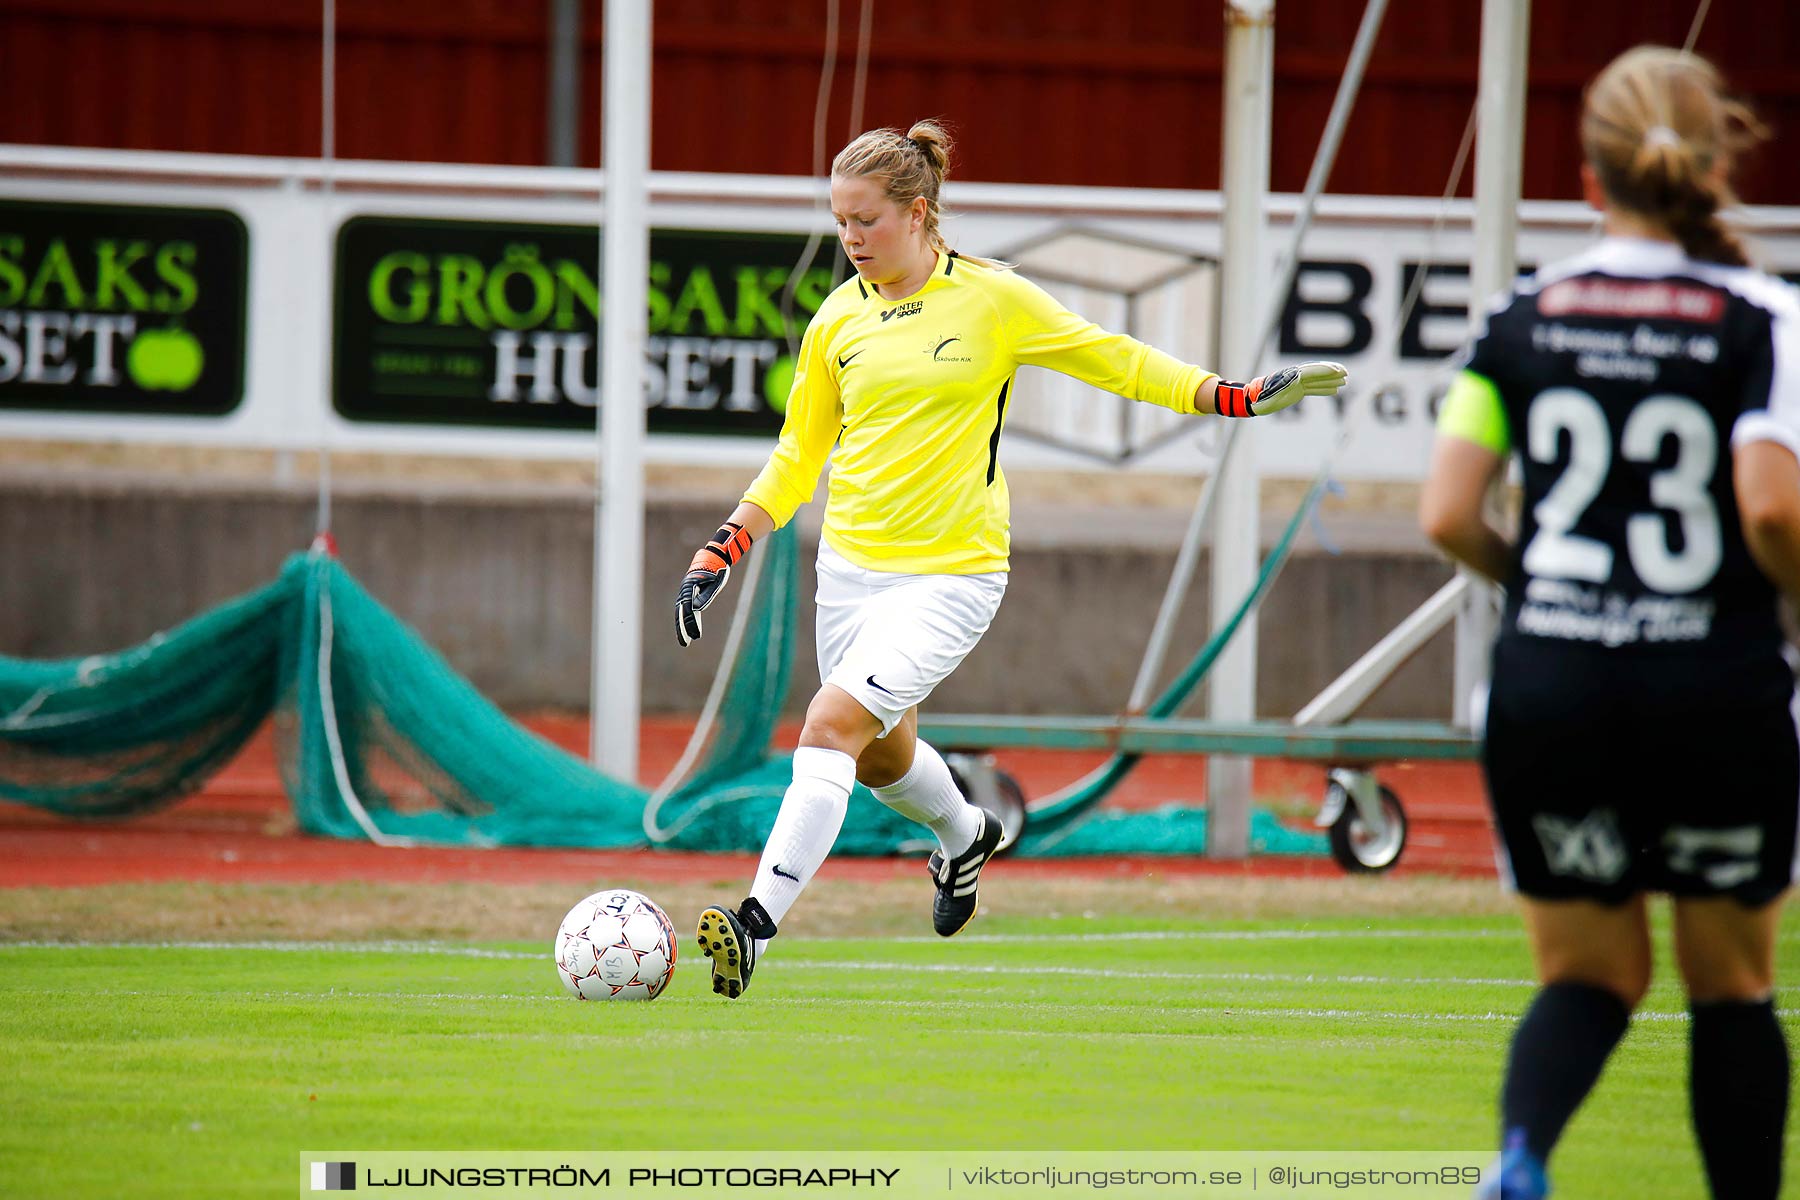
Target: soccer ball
<point x="615" y="945"/>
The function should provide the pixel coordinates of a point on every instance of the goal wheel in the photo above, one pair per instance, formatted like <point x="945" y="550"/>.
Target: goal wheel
<point x="1012" y="808"/>
<point x="980" y="779"/>
<point x="1360" y="846"/>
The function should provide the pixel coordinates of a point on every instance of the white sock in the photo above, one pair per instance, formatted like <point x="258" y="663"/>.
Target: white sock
<point x="929" y="795"/>
<point x="811" y="814"/>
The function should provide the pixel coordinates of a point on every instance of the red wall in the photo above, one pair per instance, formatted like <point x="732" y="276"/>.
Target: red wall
<point x="1044" y="91"/>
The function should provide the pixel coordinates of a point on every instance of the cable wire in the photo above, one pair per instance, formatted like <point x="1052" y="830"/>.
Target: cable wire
<point x="1693" y="36"/>
<point x="327" y="156"/>
<point x="865" y="32"/>
<point x="821" y="111"/>
<point x="1417" y="286"/>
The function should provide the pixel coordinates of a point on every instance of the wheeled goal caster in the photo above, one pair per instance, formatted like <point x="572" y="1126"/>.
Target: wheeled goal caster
<point x="1364" y="820"/>
<point x="980" y="779"/>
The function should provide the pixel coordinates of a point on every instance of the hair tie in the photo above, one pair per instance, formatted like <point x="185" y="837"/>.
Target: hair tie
<point x="1661" y="135"/>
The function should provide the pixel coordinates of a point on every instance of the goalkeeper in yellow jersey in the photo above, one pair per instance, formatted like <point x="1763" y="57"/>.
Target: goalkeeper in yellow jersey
<point x="906" y="371"/>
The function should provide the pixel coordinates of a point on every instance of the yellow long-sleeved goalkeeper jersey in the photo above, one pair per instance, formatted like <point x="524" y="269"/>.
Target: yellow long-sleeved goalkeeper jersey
<point x="913" y="394"/>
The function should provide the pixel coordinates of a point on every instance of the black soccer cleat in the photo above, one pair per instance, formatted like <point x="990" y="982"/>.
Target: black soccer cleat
<point x="729" y="939"/>
<point x="957" y="880"/>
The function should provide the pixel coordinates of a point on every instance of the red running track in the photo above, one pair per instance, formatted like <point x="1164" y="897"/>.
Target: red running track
<point x="241" y="828"/>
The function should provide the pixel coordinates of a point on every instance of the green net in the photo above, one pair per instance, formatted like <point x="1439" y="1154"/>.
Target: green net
<point x="1171" y="829"/>
<point x="730" y="800"/>
<point x="378" y="738"/>
<point x="1054" y="817"/>
<point x="761" y="666"/>
<point x="117" y="734"/>
<point x="739" y="814"/>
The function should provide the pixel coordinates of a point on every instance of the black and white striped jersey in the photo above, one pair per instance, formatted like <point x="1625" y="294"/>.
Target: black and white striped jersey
<point x="1625" y="376"/>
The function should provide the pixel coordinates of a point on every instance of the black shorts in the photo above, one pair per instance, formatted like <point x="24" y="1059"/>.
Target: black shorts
<point x="1608" y="779"/>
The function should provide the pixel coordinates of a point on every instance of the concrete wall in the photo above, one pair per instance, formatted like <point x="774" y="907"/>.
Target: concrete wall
<point x="498" y="578"/>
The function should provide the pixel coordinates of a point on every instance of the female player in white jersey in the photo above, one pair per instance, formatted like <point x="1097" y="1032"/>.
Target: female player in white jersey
<point x="1638" y="732"/>
<point x="903" y="379"/>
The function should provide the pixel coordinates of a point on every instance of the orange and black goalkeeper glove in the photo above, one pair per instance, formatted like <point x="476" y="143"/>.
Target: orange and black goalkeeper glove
<point x="706" y="578"/>
<point x="1278" y="390"/>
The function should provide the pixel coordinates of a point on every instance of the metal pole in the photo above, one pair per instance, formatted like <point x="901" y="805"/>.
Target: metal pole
<point x="1126" y="410"/>
<point x="1324" y="157"/>
<point x="1349" y="85"/>
<point x="563" y="99"/>
<point x="1499" y="165"/>
<point x="1345" y="694"/>
<point x="619" y="501"/>
<point x="1249" y="74"/>
<point x="327" y="159"/>
<point x="1187" y="559"/>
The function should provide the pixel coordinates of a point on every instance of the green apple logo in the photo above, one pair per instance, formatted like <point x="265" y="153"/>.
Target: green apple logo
<point x="778" y="382"/>
<point x="165" y="360"/>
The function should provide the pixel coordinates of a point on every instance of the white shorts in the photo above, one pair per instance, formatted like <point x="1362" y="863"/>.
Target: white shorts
<point x="889" y="639"/>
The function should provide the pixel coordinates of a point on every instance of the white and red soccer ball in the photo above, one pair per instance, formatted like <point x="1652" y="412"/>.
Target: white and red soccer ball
<point x="615" y="945"/>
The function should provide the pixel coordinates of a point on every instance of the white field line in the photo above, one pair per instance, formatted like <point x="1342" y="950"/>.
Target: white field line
<point x="1021" y="939"/>
<point x="1234" y="1010"/>
<point x="1112" y="973"/>
<point x="997" y="939"/>
<point x="791" y="964"/>
<point x="964" y="1006"/>
<point x="1209" y="935"/>
<point x="450" y="949"/>
<point x="443" y="949"/>
<point x="1230" y="935"/>
<point x="783" y="966"/>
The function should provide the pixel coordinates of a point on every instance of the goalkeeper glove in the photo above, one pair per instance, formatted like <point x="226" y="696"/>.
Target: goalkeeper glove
<point x="706" y="578"/>
<point x="1271" y="393"/>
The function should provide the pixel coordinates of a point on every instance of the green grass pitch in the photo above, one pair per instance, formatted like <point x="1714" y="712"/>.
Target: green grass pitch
<point x="1110" y="1033"/>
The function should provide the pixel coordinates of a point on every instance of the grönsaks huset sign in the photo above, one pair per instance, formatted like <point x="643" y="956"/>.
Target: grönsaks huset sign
<point x="482" y="323"/>
<point x="121" y="309"/>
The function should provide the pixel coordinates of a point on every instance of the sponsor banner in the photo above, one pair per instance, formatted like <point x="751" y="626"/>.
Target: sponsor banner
<point x="467" y="325"/>
<point x="485" y="323"/>
<point x="969" y="1174"/>
<point x="121" y="309"/>
<point x="1390" y="300"/>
